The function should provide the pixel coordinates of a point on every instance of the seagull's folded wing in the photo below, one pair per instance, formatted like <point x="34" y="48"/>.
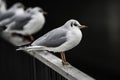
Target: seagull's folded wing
<point x="6" y="15"/>
<point x="53" y="38"/>
<point x="19" y="22"/>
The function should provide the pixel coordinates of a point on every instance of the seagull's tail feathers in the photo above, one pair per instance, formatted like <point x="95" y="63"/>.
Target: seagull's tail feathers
<point x="21" y="49"/>
<point x="31" y="48"/>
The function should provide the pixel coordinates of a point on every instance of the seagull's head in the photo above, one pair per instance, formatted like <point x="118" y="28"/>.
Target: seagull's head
<point x="74" y="23"/>
<point x="38" y="9"/>
<point x="32" y="10"/>
<point x="42" y="11"/>
<point x="18" y="5"/>
<point x="28" y="9"/>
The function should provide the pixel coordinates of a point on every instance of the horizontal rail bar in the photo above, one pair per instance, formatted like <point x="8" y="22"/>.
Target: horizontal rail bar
<point x="55" y="63"/>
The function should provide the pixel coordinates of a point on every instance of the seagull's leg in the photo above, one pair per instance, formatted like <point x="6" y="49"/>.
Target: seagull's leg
<point x="28" y="37"/>
<point x="64" y="58"/>
<point x="25" y="37"/>
<point x="31" y="38"/>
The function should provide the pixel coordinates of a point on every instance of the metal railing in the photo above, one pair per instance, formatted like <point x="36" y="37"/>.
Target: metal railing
<point x="47" y="66"/>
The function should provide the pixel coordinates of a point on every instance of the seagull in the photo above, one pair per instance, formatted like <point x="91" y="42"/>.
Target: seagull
<point x="16" y="9"/>
<point x="27" y="24"/>
<point x="21" y="16"/>
<point x="60" y="39"/>
<point x="5" y="17"/>
<point x="3" y="7"/>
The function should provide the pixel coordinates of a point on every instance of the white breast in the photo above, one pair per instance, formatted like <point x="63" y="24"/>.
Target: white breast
<point x="35" y="24"/>
<point x="74" y="37"/>
<point x="19" y="12"/>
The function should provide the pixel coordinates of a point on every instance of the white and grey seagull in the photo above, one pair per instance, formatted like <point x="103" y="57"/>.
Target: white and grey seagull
<point x="28" y="23"/>
<point x="16" y="9"/>
<point x="60" y="39"/>
<point x="23" y="14"/>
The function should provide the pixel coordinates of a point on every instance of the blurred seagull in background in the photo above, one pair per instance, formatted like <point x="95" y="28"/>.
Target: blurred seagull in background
<point x="27" y="24"/>
<point x="60" y="39"/>
<point x="3" y="6"/>
<point x="16" y="9"/>
<point x="5" y="17"/>
<point x="20" y="17"/>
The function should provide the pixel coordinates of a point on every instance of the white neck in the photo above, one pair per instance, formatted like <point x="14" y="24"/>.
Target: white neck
<point x="19" y="11"/>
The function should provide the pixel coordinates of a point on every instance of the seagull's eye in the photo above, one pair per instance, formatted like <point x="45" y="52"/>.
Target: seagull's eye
<point x="75" y="24"/>
<point x="40" y="10"/>
<point x="20" y="6"/>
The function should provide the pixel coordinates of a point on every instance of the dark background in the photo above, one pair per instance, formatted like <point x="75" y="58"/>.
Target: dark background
<point x="98" y="54"/>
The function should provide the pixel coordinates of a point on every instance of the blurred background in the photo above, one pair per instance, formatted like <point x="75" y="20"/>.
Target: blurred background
<point x="98" y="54"/>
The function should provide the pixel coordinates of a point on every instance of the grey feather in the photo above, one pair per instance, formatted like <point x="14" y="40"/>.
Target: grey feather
<point x="53" y="38"/>
<point x="6" y="15"/>
<point x="20" y="21"/>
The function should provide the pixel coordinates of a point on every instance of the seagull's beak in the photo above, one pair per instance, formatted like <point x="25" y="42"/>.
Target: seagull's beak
<point x="82" y="26"/>
<point x="45" y="13"/>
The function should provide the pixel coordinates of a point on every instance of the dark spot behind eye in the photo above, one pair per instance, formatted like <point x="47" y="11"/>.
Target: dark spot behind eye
<point x="71" y="24"/>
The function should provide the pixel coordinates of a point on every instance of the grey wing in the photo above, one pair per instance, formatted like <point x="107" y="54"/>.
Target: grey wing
<point x="22" y="17"/>
<point x="6" y="15"/>
<point x="20" y="22"/>
<point x="11" y="19"/>
<point x="54" y="38"/>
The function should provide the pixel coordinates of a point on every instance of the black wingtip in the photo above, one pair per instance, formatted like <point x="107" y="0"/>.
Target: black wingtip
<point x="2" y="28"/>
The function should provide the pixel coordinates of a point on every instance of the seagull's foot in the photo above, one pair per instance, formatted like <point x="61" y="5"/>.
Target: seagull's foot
<point x="65" y="63"/>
